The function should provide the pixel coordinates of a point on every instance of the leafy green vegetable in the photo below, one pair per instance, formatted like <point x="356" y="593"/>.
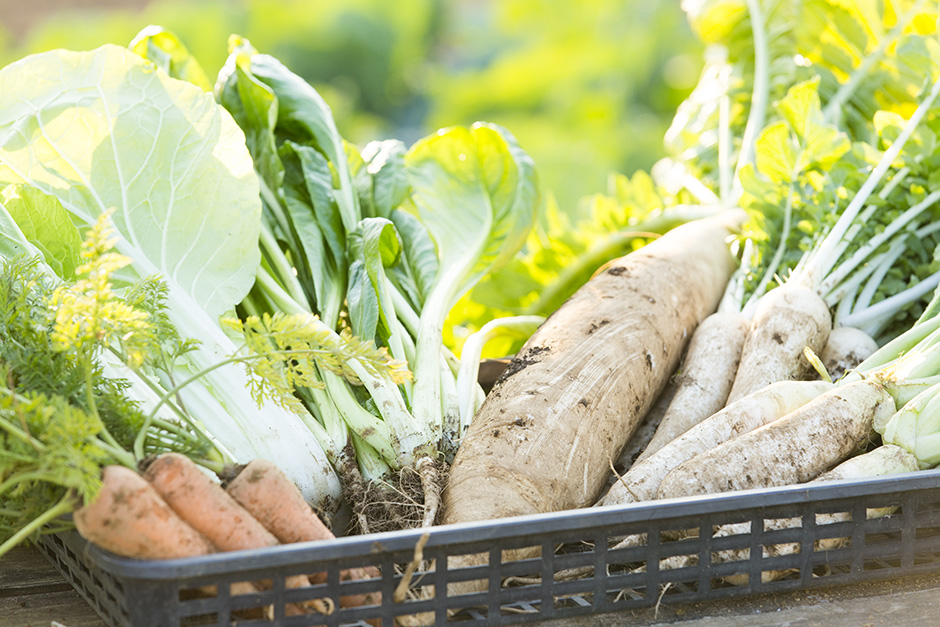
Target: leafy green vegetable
<point x="106" y="130"/>
<point x="791" y="112"/>
<point x="384" y="240"/>
<point x="47" y="225"/>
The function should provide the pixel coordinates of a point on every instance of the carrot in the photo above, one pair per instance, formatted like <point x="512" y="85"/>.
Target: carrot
<point x="642" y="481"/>
<point x="705" y="380"/>
<point x="204" y="504"/>
<point x="544" y="437"/>
<point x="796" y="448"/>
<point x="272" y="498"/>
<point x="208" y="508"/>
<point x="129" y="518"/>
<point x="786" y="321"/>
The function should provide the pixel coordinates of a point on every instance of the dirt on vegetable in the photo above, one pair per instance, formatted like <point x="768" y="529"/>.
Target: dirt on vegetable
<point x="391" y="504"/>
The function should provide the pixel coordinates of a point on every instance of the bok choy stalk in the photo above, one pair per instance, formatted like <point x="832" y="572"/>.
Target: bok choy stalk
<point x="105" y="130"/>
<point x="384" y="240"/>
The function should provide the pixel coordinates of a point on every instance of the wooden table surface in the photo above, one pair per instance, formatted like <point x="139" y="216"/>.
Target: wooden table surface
<point x="33" y="594"/>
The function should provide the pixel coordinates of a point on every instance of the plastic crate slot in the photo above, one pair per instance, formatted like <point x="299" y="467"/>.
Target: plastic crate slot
<point x="922" y="533"/>
<point x="921" y="560"/>
<point x="202" y="619"/>
<point x="881" y="564"/>
<point x="522" y="553"/>
<point x="520" y="607"/>
<point x="627" y="594"/>
<point x="668" y="536"/>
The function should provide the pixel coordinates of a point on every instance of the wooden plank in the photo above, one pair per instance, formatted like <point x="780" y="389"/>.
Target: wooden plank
<point x="24" y="568"/>
<point x="33" y="593"/>
<point x="66" y="608"/>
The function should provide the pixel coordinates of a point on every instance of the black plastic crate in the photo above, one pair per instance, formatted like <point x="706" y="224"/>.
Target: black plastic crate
<point x="905" y="542"/>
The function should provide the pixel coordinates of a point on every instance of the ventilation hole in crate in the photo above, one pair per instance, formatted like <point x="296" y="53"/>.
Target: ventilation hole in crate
<point x="562" y="602"/>
<point x="777" y="524"/>
<point x="264" y="612"/>
<point x="675" y="562"/>
<point x="667" y="536"/>
<point x="522" y="553"/>
<point x="240" y="588"/>
<point x="70" y="554"/>
<point x="619" y="567"/>
<point x="260" y="584"/>
<point x="315" y="606"/>
<point x="581" y="570"/>
<point x="831" y="518"/>
<point x="831" y="544"/>
<point x="475" y="614"/>
<point x="456" y="563"/>
<point x="526" y="607"/>
<point x="779" y="549"/>
<point x="633" y="593"/>
<point x="883" y="537"/>
<point x="730" y="555"/>
<point x="201" y="592"/>
<point x="467" y="560"/>
<point x="320" y="576"/>
<point x="926" y="532"/>
<point x="881" y="564"/>
<point x="211" y="618"/>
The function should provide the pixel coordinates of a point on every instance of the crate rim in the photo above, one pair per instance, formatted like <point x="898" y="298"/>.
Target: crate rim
<point x="453" y="535"/>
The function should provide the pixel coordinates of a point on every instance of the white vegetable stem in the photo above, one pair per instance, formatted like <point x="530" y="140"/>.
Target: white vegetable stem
<point x="470" y="360"/>
<point x="759" y="95"/>
<point x="811" y="274"/>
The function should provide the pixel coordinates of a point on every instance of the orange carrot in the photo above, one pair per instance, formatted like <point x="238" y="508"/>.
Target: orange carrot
<point x="129" y="518"/>
<point x="271" y="497"/>
<point x="208" y="508"/>
<point x="204" y="505"/>
<point x="265" y="491"/>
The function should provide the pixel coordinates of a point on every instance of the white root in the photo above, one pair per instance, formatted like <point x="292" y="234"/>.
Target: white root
<point x="642" y="481"/>
<point x="796" y="448"/>
<point x="884" y="460"/>
<point x="787" y="320"/>
<point x="705" y="380"/>
<point x="847" y="348"/>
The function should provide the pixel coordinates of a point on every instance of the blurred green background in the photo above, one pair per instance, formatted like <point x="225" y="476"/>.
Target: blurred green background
<point x="587" y="86"/>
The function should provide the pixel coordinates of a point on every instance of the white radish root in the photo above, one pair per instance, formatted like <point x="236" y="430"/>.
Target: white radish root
<point x="847" y="348"/>
<point x="794" y="449"/>
<point x="586" y="378"/>
<point x="566" y="405"/>
<point x="706" y="377"/>
<point x="641" y="482"/>
<point x="884" y="460"/>
<point x="787" y="320"/>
